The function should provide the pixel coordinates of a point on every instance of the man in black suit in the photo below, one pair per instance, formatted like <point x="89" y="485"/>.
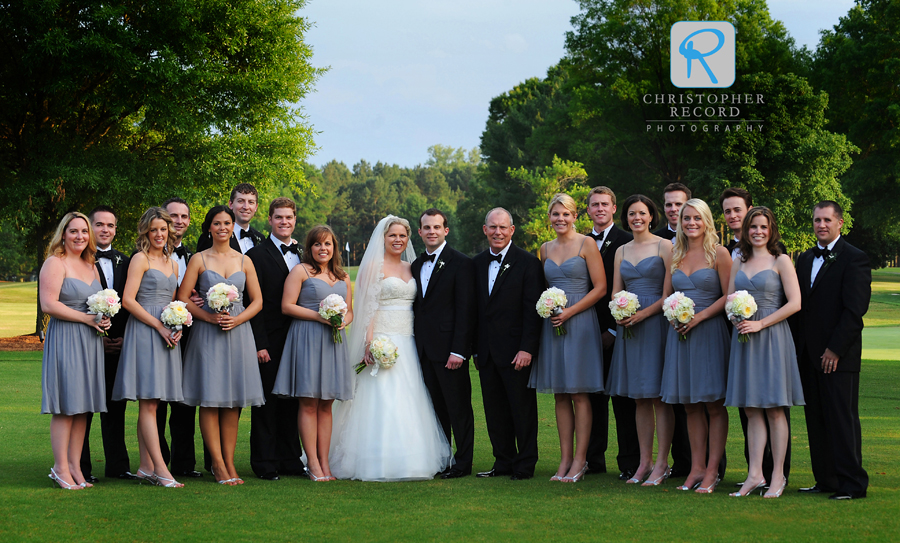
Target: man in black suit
<point x="736" y="202"/>
<point x="274" y="436"/>
<point x="244" y="201"/>
<point x="508" y="283"/>
<point x="674" y="197"/>
<point x="113" y="268"/>
<point x="609" y="237"/>
<point x="444" y="322"/>
<point x="836" y="285"/>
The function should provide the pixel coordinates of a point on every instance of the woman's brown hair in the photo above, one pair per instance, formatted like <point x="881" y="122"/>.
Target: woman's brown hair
<point x="321" y="233"/>
<point x="774" y="236"/>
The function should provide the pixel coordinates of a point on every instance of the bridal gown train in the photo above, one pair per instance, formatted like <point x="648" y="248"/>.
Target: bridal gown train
<point x="389" y="431"/>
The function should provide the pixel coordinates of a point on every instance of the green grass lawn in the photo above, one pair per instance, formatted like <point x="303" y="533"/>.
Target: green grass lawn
<point x="18" y="308"/>
<point x="598" y="508"/>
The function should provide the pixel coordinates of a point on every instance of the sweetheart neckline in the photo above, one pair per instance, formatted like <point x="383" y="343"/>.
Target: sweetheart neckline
<point x="222" y="276"/>
<point x="750" y="278"/>
<point x="163" y="273"/>
<point x="83" y="281"/>
<point x="563" y="262"/>
<point x="326" y="282"/>
<point x="642" y="260"/>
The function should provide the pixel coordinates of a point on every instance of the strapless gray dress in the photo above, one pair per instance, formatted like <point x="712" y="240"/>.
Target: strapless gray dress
<point x="763" y="371"/>
<point x="637" y="362"/>
<point x="696" y="369"/>
<point x="220" y="367"/>
<point x="313" y="365"/>
<point x="72" y="374"/>
<point x="572" y="363"/>
<point x="148" y="369"/>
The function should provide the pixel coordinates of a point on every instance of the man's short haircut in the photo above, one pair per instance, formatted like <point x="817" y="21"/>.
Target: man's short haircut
<point x="432" y="212"/>
<point x="678" y="187"/>
<point x="102" y="209"/>
<point x="281" y="202"/>
<point x="838" y="210"/>
<point x="602" y="190"/>
<point x="243" y="188"/>
<point x="736" y="192"/>
<point x="176" y="200"/>
<point x="508" y="214"/>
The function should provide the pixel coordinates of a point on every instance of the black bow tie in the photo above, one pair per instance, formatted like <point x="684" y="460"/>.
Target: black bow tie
<point x="181" y="251"/>
<point x="292" y="248"/>
<point x="106" y="254"/>
<point x="246" y="234"/>
<point x="428" y="257"/>
<point x="496" y="258"/>
<point x="597" y="237"/>
<point x="818" y="251"/>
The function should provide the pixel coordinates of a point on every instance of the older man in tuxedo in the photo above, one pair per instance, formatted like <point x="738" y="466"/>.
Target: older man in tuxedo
<point x="244" y="201"/>
<point x="835" y="285"/>
<point x="508" y="283"/>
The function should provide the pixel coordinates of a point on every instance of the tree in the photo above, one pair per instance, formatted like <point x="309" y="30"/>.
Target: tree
<point x="120" y="102"/>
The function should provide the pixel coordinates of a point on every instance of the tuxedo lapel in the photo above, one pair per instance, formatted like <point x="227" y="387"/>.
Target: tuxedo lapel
<point x="838" y="247"/>
<point x="275" y="253"/>
<point x="437" y="271"/>
<point x="505" y="266"/>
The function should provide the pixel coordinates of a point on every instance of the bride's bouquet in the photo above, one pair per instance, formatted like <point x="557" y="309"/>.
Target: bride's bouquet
<point x="384" y="352"/>
<point x="623" y="305"/>
<point x="552" y="302"/>
<point x="104" y="303"/>
<point x="679" y="308"/>
<point x="333" y="308"/>
<point x="740" y="306"/>
<point x="175" y="317"/>
<point x="221" y="296"/>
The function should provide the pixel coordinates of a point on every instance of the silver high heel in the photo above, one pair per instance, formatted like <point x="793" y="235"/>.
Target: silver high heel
<point x="148" y="477"/>
<point x="661" y="479"/>
<point x="692" y="487"/>
<point x="637" y="480"/>
<point x="313" y="477"/>
<point x="776" y="494"/>
<point x="171" y="484"/>
<point x="62" y="482"/>
<point x="708" y="489"/>
<point x="738" y="494"/>
<point x="577" y="477"/>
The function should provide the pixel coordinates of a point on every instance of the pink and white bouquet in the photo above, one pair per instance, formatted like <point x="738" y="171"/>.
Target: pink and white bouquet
<point x="623" y="305"/>
<point x="384" y="352"/>
<point x="221" y="296"/>
<point x="104" y="303"/>
<point x="552" y="302"/>
<point x="175" y="317"/>
<point x="333" y="308"/>
<point x="679" y="308"/>
<point x="740" y="306"/>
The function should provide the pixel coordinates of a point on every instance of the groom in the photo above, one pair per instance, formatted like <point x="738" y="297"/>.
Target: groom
<point x="444" y="321"/>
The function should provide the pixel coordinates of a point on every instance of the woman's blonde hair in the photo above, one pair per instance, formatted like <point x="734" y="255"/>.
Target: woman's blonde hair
<point x="57" y="245"/>
<point x="710" y="239"/>
<point x="564" y="200"/>
<point x="143" y="239"/>
<point x="401" y="221"/>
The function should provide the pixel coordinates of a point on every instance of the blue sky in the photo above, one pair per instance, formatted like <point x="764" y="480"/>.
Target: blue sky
<point x="408" y="74"/>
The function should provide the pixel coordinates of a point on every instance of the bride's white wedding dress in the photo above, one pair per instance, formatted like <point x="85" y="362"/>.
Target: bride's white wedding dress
<point x="389" y="431"/>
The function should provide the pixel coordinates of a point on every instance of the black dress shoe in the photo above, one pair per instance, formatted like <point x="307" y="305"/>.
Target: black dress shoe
<point x="271" y="476"/>
<point x="810" y="490"/>
<point x="454" y="473"/>
<point x="520" y="477"/>
<point x="190" y="473"/>
<point x="127" y="476"/>
<point x="492" y="473"/>
<point x="845" y="496"/>
<point x="293" y="472"/>
<point x="91" y="479"/>
<point x="592" y="469"/>
<point x="627" y="474"/>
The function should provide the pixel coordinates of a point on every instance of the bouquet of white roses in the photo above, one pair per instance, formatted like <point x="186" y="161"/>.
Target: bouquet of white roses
<point x="740" y="306"/>
<point x="333" y="308"/>
<point x="104" y="303"/>
<point x="221" y="295"/>
<point x="552" y="302"/>
<point x="175" y="317"/>
<point x="623" y="305"/>
<point x="679" y="308"/>
<point x="384" y="352"/>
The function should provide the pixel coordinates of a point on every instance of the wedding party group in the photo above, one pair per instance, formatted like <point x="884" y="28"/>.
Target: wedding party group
<point x="370" y="380"/>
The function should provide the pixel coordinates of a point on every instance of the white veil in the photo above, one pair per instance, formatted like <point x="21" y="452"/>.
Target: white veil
<point x="368" y="288"/>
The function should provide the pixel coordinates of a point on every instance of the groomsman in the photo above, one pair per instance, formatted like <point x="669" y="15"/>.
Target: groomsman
<point x="244" y="201"/>
<point x="113" y="268"/>
<point x="674" y="196"/>
<point x="274" y="435"/>
<point x="835" y="284"/>
<point x="736" y="202"/>
<point x="444" y="324"/>
<point x="182" y="421"/>
<point x="609" y="237"/>
<point x="508" y="283"/>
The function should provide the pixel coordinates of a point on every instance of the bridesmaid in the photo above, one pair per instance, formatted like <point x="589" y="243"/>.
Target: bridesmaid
<point x="762" y="373"/>
<point x="642" y="267"/>
<point x="149" y="367"/>
<point x="696" y="368"/>
<point x="313" y="367"/>
<point x="571" y="366"/>
<point x="72" y="373"/>
<point x="220" y="365"/>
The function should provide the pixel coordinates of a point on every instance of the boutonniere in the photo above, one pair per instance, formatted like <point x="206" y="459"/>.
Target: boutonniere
<point x="440" y="265"/>
<point x="829" y="259"/>
<point x="118" y="260"/>
<point x="503" y="269"/>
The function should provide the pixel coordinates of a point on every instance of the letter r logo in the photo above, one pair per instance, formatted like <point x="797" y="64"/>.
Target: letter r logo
<point x="702" y="54"/>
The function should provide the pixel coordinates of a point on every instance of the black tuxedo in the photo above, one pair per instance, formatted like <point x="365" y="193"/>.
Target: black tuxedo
<point x="205" y="240"/>
<point x="664" y="232"/>
<point x="831" y="317"/>
<point x="444" y="323"/>
<point x="274" y="436"/>
<point x="507" y="324"/>
<point x="112" y="423"/>
<point x="628" y="457"/>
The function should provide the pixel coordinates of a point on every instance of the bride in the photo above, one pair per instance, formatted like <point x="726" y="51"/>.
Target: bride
<point x="389" y="431"/>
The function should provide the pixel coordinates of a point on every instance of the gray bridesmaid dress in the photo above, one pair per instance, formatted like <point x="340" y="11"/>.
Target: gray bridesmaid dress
<point x="696" y="369"/>
<point x="572" y="363"/>
<point x="312" y="364"/>
<point x="220" y="367"/>
<point x="637" y="362"/>
<point x="763" y="371"/>
<point x="148" y="369"/>
<point x="72" y="369"/>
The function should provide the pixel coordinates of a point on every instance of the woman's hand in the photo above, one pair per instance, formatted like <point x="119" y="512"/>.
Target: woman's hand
<point x="562" y="317"/>
<point x="684" y="328"/>
<point x="367" y="355"/>
<point x="632" y="320"/>
<point x="101" y="326"/>
<point x="225" y="321"/>
<point x="167" y="335"/>
<point x="749" y="327"/>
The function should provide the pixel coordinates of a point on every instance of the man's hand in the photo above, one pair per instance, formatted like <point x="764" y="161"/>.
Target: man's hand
<point x="522" y="360"/>
<point x="608" y="339"/>
<point x="196" y="298"/>
<point x="112" y="346"/>
<point x="829" y="361"/>
<point x="454" y="362"/>
<point x="263" y="356"/>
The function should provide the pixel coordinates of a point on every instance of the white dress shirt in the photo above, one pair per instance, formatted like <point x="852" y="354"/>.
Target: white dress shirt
<point x="106" y="266"/>
<point x="182" y="264"/>
<point x="245" y="243"/>
<point x="673" y="230"/>
<point x="736" y="252"/>
<point x="819" y="261"/>
<point x="600" y="243"/>
<point x="428" y="268"/>
<point x="494" y="267"/>
<point x="289" y="258"/>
